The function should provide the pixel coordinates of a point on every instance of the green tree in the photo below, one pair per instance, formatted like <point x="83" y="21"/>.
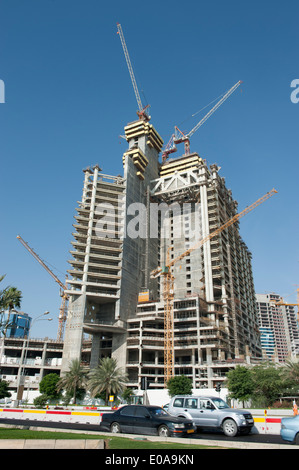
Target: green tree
<point x="179" y="385"/>
<point x="240" y="383"/>
<point x="48" y="386"/>
<point x="291" y="371"/>
<point x="127" y="395"/>
<point x="107" y="376"/>
<point x="268" y="384"/>
<point x="73" y="380"/>
<point x="1" y="292"/>
<point x="4" y="393"/>
<point x="11" y="298"/>
<point x="3" y="322"/>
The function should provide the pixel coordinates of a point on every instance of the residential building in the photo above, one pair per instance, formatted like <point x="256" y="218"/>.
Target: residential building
<point x="24" y="362"/>
<point x="278" y="324"/>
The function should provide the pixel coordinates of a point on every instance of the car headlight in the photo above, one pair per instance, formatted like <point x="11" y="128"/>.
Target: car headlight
<point x="179" y="425"/>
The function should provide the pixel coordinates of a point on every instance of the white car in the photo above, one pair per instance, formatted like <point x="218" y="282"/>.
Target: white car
<point x="210" y="412"/>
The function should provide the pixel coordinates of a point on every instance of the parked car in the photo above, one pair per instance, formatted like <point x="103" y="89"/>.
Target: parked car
<point x="145" y="420"/>
<point x="211" y="413"/>
<point x="165" y="407"/>
<point x="289" y="430"/>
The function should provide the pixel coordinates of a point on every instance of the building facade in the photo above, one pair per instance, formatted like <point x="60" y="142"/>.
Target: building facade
<point x="122" y="234"/>
<point x="110" y="266"/>
<point x="24" y="362"/>
<point x="18" y="324"/>
<point x="278" y="325"/>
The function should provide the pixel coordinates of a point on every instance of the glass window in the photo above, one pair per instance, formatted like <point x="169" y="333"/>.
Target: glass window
<point x="158" y="412"/>
<point x="191" y="403"/>
<point x="178" y="402"/>
<point x="141" y="412"/>
<point x="206" y="404"/>
<point x="128" y="411"/>
<point x="220" y="403"/>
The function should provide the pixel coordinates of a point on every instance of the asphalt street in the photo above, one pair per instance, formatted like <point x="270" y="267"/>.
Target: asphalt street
<point x="217" y="436"/>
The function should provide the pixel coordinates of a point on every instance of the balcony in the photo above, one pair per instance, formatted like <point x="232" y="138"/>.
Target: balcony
<point x="102" y="326"/>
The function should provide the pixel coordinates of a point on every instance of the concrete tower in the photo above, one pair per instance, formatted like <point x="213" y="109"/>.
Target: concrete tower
<point x="110" y="261"/>
<point x="114" y="299"/>
<point x="215" y="317"/>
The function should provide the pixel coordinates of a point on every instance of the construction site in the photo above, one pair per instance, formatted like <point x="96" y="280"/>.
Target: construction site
<point x="168" y="293"/>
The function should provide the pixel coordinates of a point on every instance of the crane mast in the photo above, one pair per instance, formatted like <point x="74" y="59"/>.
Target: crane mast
<point x="168" y="284"/>
<point x="141" y="112"/>
<point x="65" y="298"/>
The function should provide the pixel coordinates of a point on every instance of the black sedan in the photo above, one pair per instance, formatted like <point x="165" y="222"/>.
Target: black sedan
<point x="145" y="420"/>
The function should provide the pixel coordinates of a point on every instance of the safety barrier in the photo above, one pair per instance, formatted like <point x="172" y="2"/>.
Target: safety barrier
<point x="66" y="416"/>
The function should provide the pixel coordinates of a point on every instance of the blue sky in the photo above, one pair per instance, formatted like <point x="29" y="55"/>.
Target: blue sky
<point x="68" y="96"/>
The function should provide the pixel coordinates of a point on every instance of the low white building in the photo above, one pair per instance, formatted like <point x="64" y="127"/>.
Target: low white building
<point x="24" y="362"/>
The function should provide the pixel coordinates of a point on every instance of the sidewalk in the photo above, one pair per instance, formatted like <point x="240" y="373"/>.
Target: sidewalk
<point x="52" y="444"/>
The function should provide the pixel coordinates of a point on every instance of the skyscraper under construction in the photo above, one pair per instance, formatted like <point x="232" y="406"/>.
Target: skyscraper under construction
<point x="121" y="235"/>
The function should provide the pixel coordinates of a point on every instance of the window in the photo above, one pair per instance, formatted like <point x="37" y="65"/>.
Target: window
<point x="191" y="403"/>
<point x="141" y="412"/>
<point x="128" y="411"/>
<point x="178" y="402"/>
<point x="158" y="412"/>
<point x="206" y="404"/>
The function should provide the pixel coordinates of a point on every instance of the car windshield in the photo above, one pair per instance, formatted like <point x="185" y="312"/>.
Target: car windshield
<point x="220" y="403"/>
<point x="158" y="412"/>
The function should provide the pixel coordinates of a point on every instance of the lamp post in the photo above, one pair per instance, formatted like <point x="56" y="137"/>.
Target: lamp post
<point x="21" y="375"/>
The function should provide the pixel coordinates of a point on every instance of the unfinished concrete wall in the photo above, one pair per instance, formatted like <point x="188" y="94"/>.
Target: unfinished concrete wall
<point x="111" y="266"/>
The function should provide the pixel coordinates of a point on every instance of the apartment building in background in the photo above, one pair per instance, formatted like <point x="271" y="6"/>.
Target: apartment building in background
<point x="278" y="325"/>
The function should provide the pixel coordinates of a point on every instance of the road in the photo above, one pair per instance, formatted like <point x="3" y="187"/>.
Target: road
<point x="216" y="436"/>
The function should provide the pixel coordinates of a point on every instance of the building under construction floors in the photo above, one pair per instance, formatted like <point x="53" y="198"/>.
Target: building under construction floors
<point x="126" y="226"/>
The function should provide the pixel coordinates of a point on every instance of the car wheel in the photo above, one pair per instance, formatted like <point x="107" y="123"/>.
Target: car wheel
<point x="115" y="428"/>
<point x="296" y="440"/>
<point x="230" y="428"/>
<point x="163" y="431"/>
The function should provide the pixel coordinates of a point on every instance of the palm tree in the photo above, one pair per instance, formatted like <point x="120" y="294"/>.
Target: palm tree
<point x="107" y="376"/>
<point x="291" y="371"/>
<point x="2" y="293"/>
<point x="2" y="324"/>
<point x="11" y="298"/>
<point x="73" y="379"/>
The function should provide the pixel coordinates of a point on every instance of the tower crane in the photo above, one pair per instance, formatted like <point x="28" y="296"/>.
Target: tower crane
<point x="141" y="109"/>
<point x="65" y="297"/>
<point x="179" y="136"/>
<point x="168" y="285"/>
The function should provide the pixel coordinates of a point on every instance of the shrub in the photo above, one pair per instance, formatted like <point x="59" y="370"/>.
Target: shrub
<point x="40" y="401"/>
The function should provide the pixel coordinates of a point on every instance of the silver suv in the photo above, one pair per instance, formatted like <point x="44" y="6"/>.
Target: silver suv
<point x="211" y="412"/>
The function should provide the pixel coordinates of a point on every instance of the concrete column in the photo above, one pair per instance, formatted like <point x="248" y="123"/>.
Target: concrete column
<point x="206" y="246"/>
<point x="42" y="369"/>
<point x="90" y="228"/>
<point x="95" y="351"/>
